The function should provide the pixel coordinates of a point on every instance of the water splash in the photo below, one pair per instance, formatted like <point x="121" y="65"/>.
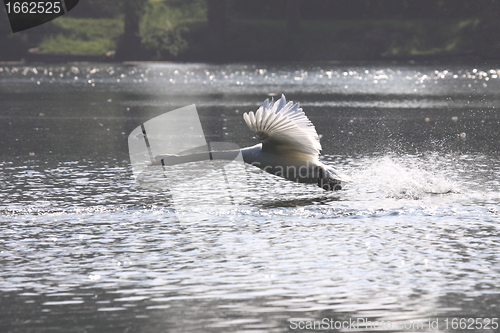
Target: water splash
<point x="406" y="177"/>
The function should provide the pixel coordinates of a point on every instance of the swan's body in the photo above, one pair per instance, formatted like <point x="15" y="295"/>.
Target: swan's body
<point x="289" y="146"/>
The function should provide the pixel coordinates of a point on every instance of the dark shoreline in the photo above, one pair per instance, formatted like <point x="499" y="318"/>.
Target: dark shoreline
<point x="451" y="58"/>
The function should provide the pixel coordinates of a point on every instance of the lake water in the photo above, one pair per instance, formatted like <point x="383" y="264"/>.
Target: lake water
<point x="412" y="241"/>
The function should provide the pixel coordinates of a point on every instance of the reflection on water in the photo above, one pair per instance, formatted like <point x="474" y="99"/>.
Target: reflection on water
<point x="415" y="236"/>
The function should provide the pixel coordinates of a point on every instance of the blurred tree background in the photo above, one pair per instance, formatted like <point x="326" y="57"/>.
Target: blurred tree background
<point x="264" y="30"/>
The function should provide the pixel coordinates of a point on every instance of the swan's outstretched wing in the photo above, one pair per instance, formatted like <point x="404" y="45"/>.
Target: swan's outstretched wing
<point x="283" y="128"/>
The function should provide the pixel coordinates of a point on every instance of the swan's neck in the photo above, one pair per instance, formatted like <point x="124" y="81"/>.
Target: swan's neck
<point x="249" y="154"/>
<point x="252" y="154"/>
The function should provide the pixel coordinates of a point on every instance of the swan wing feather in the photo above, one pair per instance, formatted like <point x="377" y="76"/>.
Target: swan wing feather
<point x="283" y="128"/>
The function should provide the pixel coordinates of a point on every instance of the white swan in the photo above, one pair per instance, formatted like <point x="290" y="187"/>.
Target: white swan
<point x="289" y="147"/>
